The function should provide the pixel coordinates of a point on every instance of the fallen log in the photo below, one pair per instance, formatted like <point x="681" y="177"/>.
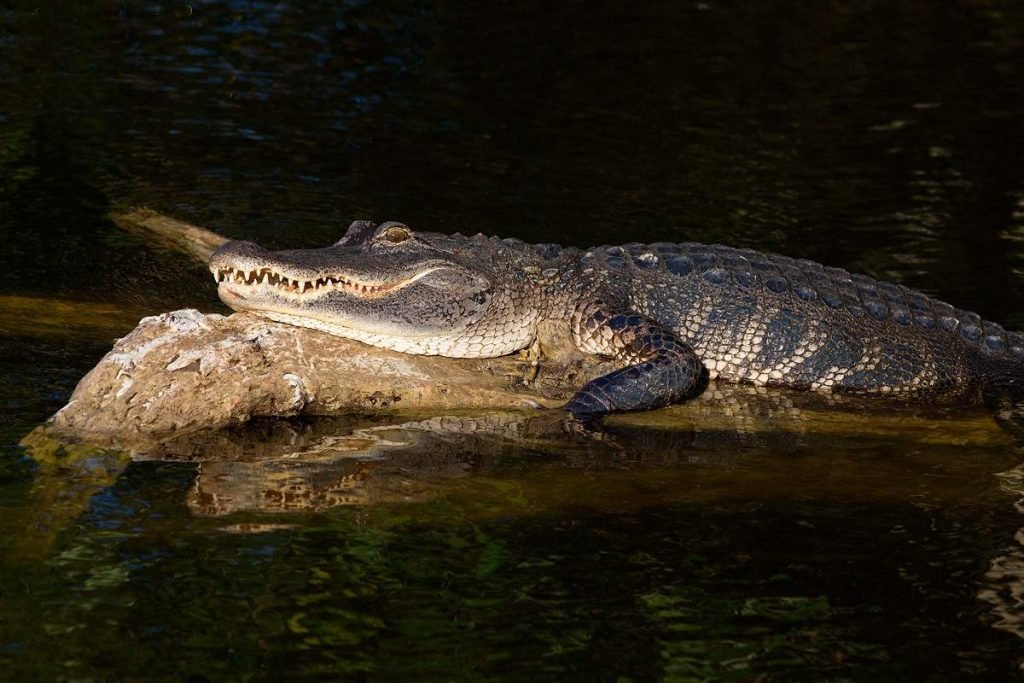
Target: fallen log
<point x="167" y="233"/>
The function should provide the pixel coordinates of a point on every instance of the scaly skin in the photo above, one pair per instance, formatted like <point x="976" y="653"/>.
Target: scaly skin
<point x="672" y="314"/>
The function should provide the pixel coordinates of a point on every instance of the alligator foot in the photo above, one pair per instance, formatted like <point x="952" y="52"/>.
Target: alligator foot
<point x="661" y="368"/>
<point x="530" y="357"/>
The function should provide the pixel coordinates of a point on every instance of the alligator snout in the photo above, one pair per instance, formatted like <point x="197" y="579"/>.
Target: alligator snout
<point x="234" y="252"/>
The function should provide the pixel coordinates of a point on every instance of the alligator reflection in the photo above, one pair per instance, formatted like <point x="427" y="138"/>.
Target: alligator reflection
<point x="282" y="466"/>
<point x="409" y="462"/>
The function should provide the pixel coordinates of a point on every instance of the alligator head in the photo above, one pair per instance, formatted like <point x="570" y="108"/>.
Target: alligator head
<point x="385" y="285"/>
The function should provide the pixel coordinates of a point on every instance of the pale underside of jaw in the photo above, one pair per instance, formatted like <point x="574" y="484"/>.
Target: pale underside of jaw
<point x="266" y="279"/>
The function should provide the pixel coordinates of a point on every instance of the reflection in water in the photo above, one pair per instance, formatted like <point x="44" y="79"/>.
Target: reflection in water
<point x="315" y="464"/>
<point x="499" y="540"/>
<point x="724" y="527"/>
<point x="407" y="462"/>
<point x="281" y="466"/>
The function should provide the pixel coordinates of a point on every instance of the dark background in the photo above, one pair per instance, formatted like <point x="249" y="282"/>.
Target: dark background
<point x="882" y="137"/>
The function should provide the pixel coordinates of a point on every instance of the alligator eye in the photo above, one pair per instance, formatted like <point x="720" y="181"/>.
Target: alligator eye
<point x="396" y="234"/>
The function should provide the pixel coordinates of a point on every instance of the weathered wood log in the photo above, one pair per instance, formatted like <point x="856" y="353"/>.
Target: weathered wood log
<point x="168" y="233"/>
<point x="50" y="318"/>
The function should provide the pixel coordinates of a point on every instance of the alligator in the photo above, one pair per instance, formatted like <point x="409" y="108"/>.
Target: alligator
<point x="673" y="315"/>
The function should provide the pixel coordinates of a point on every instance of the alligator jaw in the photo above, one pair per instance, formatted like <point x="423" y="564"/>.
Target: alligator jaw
<point x="241" y="282"/>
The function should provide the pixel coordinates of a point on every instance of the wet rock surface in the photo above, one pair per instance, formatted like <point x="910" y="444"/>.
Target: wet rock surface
<point x="183" y="371"/>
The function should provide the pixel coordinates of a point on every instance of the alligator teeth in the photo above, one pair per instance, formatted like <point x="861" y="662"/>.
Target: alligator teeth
<point x="272" y="279"/>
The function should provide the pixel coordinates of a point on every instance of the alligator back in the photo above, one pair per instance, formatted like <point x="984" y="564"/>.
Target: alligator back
<point x="775" y="320"/>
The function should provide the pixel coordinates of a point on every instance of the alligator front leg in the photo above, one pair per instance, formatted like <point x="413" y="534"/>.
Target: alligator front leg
<point x="660" y="367"/>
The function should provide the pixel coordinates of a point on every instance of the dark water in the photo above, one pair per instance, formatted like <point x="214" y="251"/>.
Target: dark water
<point x="884" y="137"/>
